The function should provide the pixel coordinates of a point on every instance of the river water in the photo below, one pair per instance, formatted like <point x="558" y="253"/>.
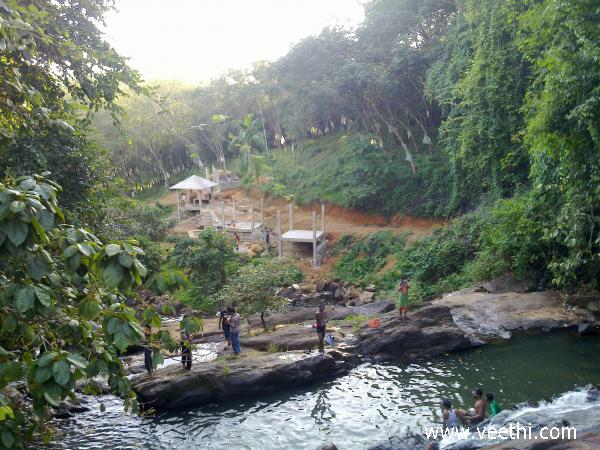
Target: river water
<point x="370" y="404"/>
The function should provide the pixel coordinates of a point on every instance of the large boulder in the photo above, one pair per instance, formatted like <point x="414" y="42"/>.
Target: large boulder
<point x="173" y="387"/>
<point x="288" y="338"/>
<point x="507" y="283"/>
<point x="490" y="315"/>
<point x="429" y="332"/>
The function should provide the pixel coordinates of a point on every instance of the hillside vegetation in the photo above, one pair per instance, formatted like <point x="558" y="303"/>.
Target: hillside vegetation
<point x="484" y="112"/>
<point x="348" y="170"/>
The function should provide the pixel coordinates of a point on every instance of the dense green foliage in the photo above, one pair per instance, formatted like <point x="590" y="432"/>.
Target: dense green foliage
<point x="362" y="259"/>
<point x="477" y="246"/>
<point x="209" y="260"/>
<point x="350" y="171"/>
<point x="56" y="70"/>
<point x="62" y="307"/>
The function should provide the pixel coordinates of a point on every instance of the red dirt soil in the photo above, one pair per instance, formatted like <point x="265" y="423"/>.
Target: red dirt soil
<point x="338" y="221"/>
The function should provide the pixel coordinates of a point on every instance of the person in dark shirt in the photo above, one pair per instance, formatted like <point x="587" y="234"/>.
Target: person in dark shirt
<point x="235" y="330"/>
<point x="321" y="319"/>
<point x="148" y="350"/>
<point x="225" y="325"/>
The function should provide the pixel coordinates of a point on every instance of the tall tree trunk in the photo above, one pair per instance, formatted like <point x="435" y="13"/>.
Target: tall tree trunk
<point x="262" y="320"/>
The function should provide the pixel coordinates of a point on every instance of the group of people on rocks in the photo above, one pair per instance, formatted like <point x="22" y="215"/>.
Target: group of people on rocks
<point x="483" y="408"/>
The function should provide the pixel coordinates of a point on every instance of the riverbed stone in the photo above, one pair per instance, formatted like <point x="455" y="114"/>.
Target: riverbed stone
<point x="429" y="332"/>
<point x="490" y="315"/>
<point x="174" y="388"/>
<point x="288" y="338"/>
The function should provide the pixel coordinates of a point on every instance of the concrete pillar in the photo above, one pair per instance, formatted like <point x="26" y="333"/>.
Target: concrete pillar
<point x="279" y="242"/>
<point x="223" y="215"/>
<point x="290" y="213"/>
<point x="252" y="223"/>
<point x="323" y="219"/>
<point x="314" y="225"/>
<point x="234" y="211"/>
<point x="178" y="207"/>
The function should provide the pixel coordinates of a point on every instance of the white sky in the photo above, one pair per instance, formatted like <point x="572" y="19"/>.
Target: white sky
<point x="196" y="40"/>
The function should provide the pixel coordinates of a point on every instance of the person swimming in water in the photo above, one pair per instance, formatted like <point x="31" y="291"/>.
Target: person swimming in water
<point x="494" y="407"/>
<point x="449" y="415"/>
<point x="473" y="418"/>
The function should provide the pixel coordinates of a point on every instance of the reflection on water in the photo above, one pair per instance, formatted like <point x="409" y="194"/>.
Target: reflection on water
<point x="368" y="405"/>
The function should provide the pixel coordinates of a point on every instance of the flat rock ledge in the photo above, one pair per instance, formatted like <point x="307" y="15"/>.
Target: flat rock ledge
<point x="219" y="381"/>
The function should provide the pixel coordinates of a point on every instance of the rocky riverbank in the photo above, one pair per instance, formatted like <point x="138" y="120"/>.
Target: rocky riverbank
<point x="457" y="321"/>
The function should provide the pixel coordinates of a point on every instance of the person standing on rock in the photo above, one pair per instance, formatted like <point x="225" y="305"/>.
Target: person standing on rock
<point x="225" y="325"/>
<point x="321" y="319"/>
<point x="235" y="331"/>
<point x="186" y="350"/>
<point x="148" y="350"/>
<point x="403" y="288"/>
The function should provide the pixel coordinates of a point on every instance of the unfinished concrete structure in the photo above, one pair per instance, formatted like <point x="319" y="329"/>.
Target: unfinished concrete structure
<point x="297" y="237"/>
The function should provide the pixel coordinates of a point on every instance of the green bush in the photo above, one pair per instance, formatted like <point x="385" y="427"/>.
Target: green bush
<point x="209" y="260"/>
<point x="362" y="258"/>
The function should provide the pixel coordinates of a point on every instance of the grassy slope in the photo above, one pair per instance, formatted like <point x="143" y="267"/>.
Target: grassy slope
<point x="347" y="170"/>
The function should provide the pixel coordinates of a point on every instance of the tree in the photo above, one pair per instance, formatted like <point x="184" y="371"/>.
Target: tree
<point x="480" y="85"/>
<point x="252" y="290"/>
<point x="560" y="40"/>
<point x="209" y="260"/>
<point x="62" y="308"/>
<point x="56" y="71"/>
<point x="55" y="62"/>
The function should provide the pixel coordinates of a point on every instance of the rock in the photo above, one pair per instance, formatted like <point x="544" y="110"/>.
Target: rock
<point x="371" y="288"/>
<point x="352" y="292"/>
<point x="290" y="293"/>
<point x="322" y="286"/>
<point x="506" y="283"/>
<point x="490" y="315"/>
<point x="217" y="381"/>
<point x="339" y="293"/>
<point x="69" y="407"/>
<point x="99" y="383"/>
<point x="375" y="308"/>
<point x="367" y="297"/>
<point x="328" y="446"/>
<point x="588" y="328"/>
<point x="287" y="338"/>
<point x="13" y="396"/>
<point x="256" y="248"/>
<point x="415" y="338"/>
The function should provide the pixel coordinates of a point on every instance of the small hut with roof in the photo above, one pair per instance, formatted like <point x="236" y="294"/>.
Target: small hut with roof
<point x="197" y="193"/>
